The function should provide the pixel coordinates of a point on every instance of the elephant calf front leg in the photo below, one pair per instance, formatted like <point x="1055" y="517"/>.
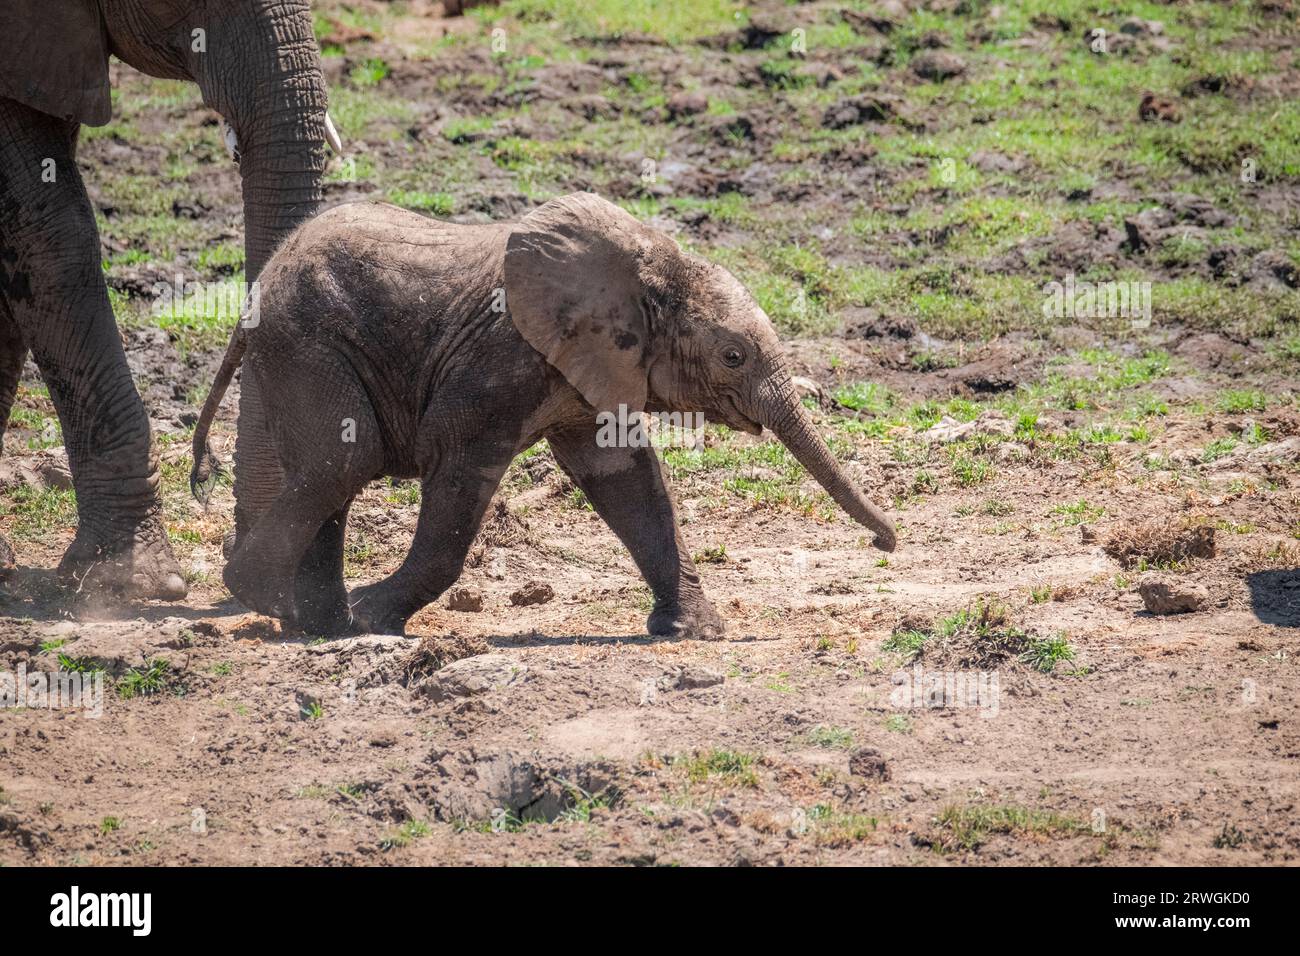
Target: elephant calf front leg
<point x="627" y="488"/>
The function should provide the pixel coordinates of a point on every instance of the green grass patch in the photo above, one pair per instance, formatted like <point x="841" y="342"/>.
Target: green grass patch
<point x="723" y="766"/>
<point x="968" y="828"/>
<point x="153" y="678"/>
<point x="439" y="204"/>
<point x="34" y="514"/>
<point x="832" y="738"/>
<point x="672" y="21"/>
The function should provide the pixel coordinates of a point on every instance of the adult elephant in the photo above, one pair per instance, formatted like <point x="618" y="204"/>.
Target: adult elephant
<point x="256" y="63"/>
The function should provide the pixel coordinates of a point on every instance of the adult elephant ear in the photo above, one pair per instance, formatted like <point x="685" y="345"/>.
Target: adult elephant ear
<point x="54" y="58"/>
<point x="585" y="286"/>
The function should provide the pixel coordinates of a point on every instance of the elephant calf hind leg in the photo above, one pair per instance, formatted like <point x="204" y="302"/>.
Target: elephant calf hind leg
<point x="452" y="503"/>
<point x="320" y="596"/>
<point x="262" y="572"/>
<point x="324" y="466"/>
<point x="13" y="353"/>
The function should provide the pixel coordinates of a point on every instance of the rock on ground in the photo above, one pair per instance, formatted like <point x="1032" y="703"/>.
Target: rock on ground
<point x="470" y="676"/>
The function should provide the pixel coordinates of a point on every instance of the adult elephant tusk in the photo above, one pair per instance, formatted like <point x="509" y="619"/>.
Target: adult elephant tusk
<point x="230" y="140"/>
<point x="332" y="136"/>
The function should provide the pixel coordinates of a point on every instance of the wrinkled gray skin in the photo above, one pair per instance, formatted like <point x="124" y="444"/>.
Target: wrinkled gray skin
<point x="261" y="72"/>
<point x="377" y="324"/>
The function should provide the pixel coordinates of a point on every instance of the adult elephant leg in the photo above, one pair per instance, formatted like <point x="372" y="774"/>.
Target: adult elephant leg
<point x="50" y="276"/>
<point x="13" y="353"/>
<point x="258" y="474"/>
<point x="626" y="487"/>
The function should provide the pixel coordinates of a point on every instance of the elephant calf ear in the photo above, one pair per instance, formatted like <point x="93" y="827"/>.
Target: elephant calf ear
<point x="579" y="275"/>
<point x="54" y="58"/>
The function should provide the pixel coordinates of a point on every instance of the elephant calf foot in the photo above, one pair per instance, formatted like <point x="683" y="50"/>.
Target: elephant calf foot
<point x="322" y="618"/>
<point x="376" y="611"/>
<point x="693" y="619"/>
<point x="257" y="590"/>
<point x="140" y="566"/>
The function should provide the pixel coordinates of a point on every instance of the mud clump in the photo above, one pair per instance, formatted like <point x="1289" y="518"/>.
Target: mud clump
<point x="1162" y="594"/>
<point x="40" y="471"/>
<point x="869" y="764"/>
<point x="1153" y="108"/>
<point x="26" y="837"/>
<point x="470" y="677"/>
<point x="685" y="104"/>
<point x="1159" y="543"/>
<point x="857" y="110"/>
<point x="866" y="323"/>
<point x="980" y="637"/>
<point x="465" y="600"/>
<point x="938" y="65"/>
<point x="688" y="677"/>
<point x="502" y="790"/>
<point x="1274" y="267"/>
<point x="534" y="592"/>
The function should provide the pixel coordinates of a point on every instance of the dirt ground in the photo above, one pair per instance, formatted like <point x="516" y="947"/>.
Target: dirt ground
<point x="1047" y="482"/>
<point x="1180" y="731"/>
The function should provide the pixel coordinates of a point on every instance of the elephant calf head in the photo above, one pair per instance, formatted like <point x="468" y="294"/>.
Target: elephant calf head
<point x="630" y="319"/>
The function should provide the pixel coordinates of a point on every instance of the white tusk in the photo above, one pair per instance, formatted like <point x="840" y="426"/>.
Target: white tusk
<point x="230" y="139"/>
<point x="332" y="136"/>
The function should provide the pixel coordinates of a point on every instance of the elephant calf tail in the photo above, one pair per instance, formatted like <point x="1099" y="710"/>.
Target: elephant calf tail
<point x="207" y="467"/>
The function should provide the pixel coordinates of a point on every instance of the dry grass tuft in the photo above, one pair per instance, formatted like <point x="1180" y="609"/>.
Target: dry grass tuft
<point x="1160" y="543"/>
<point x="434" y="653"/>
<point x="501" y="529"/>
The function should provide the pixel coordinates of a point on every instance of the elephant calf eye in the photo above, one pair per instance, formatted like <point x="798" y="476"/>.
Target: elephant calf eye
<point x="733" y="357"/>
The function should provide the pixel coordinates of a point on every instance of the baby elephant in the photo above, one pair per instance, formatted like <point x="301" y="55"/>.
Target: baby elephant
<point x="388" y="343"/>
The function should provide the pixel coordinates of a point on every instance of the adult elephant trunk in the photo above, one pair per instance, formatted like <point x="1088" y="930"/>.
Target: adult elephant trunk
<point x="280" y="124"/>
<point x="282" y="161"/>
<point x="778" y="409"/>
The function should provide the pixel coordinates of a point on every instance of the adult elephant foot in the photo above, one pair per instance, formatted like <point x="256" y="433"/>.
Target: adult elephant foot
<point x="138" y="567"/>
<point x="693" y="619"/>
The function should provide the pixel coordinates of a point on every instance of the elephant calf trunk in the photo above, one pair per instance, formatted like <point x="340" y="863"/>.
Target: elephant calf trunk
<point x="207" y="467"/>
<point x="795" y="430"/>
